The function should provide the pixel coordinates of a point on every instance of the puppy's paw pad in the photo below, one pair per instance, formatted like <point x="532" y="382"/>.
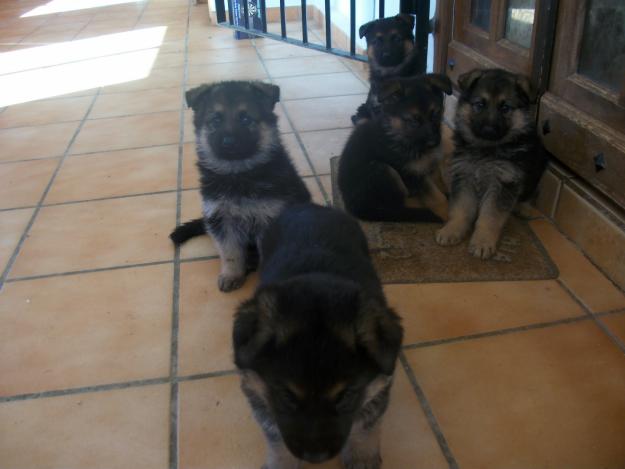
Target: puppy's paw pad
<point x="448" y="237"/>
<point x="228" y="283"/>
<point x="482" y="249"/>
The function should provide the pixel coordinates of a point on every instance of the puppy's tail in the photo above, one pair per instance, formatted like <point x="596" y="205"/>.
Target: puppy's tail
<point x="188" y="230"/>
<point x="400" y="214"/>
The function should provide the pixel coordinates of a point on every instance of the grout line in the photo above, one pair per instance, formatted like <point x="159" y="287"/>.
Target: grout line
<point x="12" y="209"/>
<point x="429" y="414"/>
<point x="26" y="231"/>
<point x="596" y="318"/>
<point x="86" y="271"/>
<point x="123" y="149"/>
<point x="84" y="389"/>
<point x="175" y="315"/>
<point x="214" y="374"/>
<point x="198" y="259"/>
<point x="498" y="332"/>
<point x="112" y="197"/>
<point x="297" y="136"/>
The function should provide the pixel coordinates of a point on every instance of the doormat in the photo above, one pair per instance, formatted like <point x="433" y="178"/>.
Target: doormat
<point x="408" y="252"/>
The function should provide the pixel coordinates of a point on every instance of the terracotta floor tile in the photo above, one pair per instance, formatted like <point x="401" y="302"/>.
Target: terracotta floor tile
<point x="136" y="102"/>
<point x="35" y="142"/>
<point x="285" y="51"/>
<point x="326" y="183"/>
<point x="323" y="113"/>
<point x="206" y="314"/>
<point x="433" y="311"/>
<point x="168" y="59"/>
<point x="190" y="174"/>
<point x="191" y="208"/>
<point x="210" y="408"/>
<point x="616" y="324"/>
<point x="302" y="65"/>
<point x="116" y="173"/>
<point x="315" y="190"/>
<point x="550" y="397"/>
<point x="12" y="225"/>
<point x="45" y="112"/>
<point x="189" y="132"/>
<point x="590" y="285"/>
<point x="317" y="86"/>
<point x="50" y="343"/>
<point x="283" y="122"/>
<point x="220" y="56"/>
<point x="323" y="145"/>
<point x="298" y="158"/>
<point x="98" y="234"/>
<point x="252" y="70"/>
<point x="168" y="77"/>
<point x="114" y="429"/>
<point x="117" y="133"/>
<point x="22" y="183"/>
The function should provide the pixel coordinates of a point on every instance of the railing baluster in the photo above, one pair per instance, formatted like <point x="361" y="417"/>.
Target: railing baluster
<point x="328" y="25"/>
<point x="263" y="14"/>
<point x="381" y="9"/>
<point x="352" y="27"/>
<point x="246" y="15"/>
<point x="230" y="15"/>
<point x="282" y="19"/>
<point x="304" y="23"/>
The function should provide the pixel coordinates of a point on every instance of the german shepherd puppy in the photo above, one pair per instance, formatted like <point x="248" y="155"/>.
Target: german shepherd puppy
<point x="395" y="155"/>
<point x="498" y="157"/>
<point x="317" y="344"/>
<point x="246" y="176"/>
<point x="392" y="54"/>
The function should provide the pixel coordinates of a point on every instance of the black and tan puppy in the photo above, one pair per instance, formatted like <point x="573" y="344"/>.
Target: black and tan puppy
<point x="392" y="54"/>
<point x="498" y="158"/>
<point x="246" y="176"/>
<point x="396" y="155"/>
<point x="317" y="344"/>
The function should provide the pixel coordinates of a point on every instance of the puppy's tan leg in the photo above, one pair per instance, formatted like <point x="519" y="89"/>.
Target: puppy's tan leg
<point x="462" y="212"/>
<point x="232" y="254"/>
<point x="434" y="199"/>
<point x="279" y="457"/>
<point x="490" y="221"/>
<point x="362" y="450"/>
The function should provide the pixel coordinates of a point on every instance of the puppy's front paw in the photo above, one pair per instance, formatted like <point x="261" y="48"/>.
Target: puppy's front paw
<point x="228" y="283"/>
<point x="449" y="235"/>
<point x="482" y="248"/>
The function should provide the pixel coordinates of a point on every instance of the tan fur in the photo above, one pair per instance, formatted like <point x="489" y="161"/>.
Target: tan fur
<point x="408" y="47"/>
<point x="398" y="180"/>
<point x="488" y="227"/>
<point x="462" y="213"/>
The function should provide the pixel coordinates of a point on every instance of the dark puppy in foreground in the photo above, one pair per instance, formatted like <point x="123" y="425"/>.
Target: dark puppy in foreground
<point x="392" y="54"/>
<point x="246" y="176"/>
<point x="396" y="155"/>
<point x="498" y="158"/>
<point x="317" y="344"/>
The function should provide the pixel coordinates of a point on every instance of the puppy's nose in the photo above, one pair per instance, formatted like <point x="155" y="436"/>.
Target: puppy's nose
<point x="315" y="458"/>
<point x="227" y="141"/>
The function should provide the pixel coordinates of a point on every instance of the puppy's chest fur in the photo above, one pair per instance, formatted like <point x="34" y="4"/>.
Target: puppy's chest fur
<point x="407" y="159"/>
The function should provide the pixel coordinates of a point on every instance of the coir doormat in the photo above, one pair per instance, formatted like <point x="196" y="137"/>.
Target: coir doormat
<point x="408" y="252"/>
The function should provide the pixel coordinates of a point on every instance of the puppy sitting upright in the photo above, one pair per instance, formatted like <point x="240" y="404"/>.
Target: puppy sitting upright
<point x="317" y="343"/>
<point x="498" y="159"/>
<point x="395" y="155"/>
<point x="246" y="176"/>
<point x="392" y="54"/>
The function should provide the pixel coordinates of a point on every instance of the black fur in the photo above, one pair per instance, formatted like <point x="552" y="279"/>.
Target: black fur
<point x="318" y="339"/>
<point x="392" y="54"/>
<point x="246" y="176"/>
<point x="394" y="155"/>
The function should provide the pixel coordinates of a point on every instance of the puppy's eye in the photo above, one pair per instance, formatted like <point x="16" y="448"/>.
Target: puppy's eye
<point x="505" y="109"/>
<point x="216" y="120"/>
<point x="478" y="106"/>
<point x="245" y="120"/>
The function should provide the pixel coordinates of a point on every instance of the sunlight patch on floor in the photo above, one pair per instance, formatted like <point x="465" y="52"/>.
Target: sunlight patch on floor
<point x="60" y="6"/>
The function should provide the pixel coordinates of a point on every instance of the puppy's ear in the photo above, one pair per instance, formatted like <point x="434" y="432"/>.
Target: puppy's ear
<point x="466" y="80"/>
<point x="408" y="19"/>
<point x="523" y="83"/>
<point x="253" y="327"/>
<point x="268" y="91"/>
<point x="440" y="81"/>
<point x="389" y="89"/>
<point x="194" y="94"/>
<point x="380" y="334"/>
<point x="364" y="29"/>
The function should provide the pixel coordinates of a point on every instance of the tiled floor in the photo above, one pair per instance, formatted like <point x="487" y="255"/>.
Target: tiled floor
<point x="115" y="348"/>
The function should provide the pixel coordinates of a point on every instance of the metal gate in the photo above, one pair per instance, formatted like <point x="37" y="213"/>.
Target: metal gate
<point x="419" y="8"/>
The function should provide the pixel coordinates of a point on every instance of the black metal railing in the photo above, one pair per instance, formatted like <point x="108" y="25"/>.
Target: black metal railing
<point x="420" y="8"/>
